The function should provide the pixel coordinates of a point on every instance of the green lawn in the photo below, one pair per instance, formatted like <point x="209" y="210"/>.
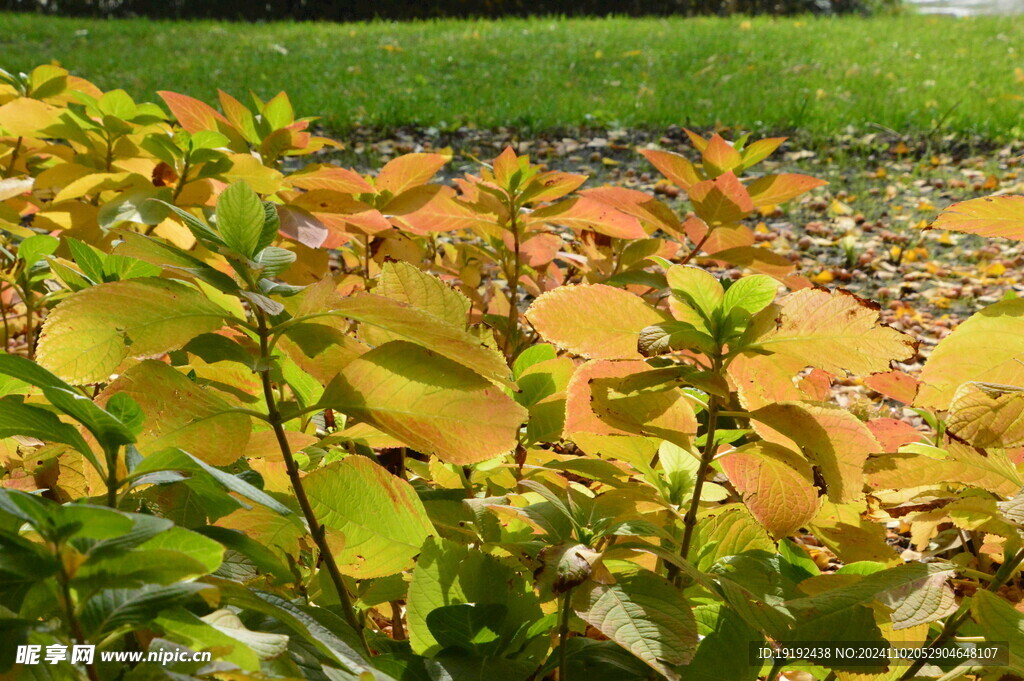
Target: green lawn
<point x="819" y="75"/>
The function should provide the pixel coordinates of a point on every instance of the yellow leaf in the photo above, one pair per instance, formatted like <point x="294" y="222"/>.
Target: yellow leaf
<point x="835" y="331"/>
<point x="428" y="402"/>
<point x="984" y="348"/>
<point x="596" y="321"/>
<point x="991" y="216"/>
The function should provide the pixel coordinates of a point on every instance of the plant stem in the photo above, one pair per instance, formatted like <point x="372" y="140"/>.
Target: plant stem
<point x="397" y="631"/>
<point x="7" y="326"/>
<point x="963" y="612"/>
<point x="512" y="332"/>
<point x="366" y="262"/>
<point x="73" y="624"/>
<point x="14" y="157"/>
<point x="696" y="249"/>
<point x="777" y="666"/>
<point x="182" y="181"/>
<point x="563" y="635"/>
<point x="707" y="456"/>
<point x="317" y="530"/>
<point x="29" y="317"/>
<point x="112" y="482"/>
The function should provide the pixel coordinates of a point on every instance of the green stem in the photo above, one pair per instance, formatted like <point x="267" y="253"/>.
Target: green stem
<point x="77" y="636"/>
<point x="316" y="530"/>
<point x="563" y="636"/>
<point x="777" y="666"/>
<point x="112" y="481"/>
<point x="963" y="612"/>
<point x="707" y="456"/>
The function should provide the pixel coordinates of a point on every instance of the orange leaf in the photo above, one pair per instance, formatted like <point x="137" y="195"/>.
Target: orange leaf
<point x="192" y="114"/>
<point x="777" y="486"/>
<point x="895" y="385"/>
<point x="675" y="167"/>
<point x="771" y="190"/>
<point x="722" y="238"/>
<point x="722" y="200"/>
<point x="409" y="171"/>
<point x="595" y="320"/>
<point x="720" y="156"/>
<point x="893" y="433"/>
<point x="651" y="213"/>
<point x="586" y="213"/>
<point x="433" y="208"/>
<point x="330" y="177"/>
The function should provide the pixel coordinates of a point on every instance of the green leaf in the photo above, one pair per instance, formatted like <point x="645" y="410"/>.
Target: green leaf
<point x="32" y="249"/>
<point x="1000" y="621"/>
<point x="167" y="256"/>
<point x="644" y="614"/>
<point x="467" y="626"/>
<point x="535" y="354"/>
<point x="274" y="260"/>
<point x="724" y="639"/>
<point x="697" y="288"/>
<point x="88" y="335"/>
<point x="753" y="294"/>
<point x="240" y="218"/>
<point x="450" y="574"/>
<point x="23" y="419"/>
<point x="113" y="609"/>
<point x="106" y="427"/>
<point x="177" y="460"/>
<point x="428" y="402"/>
<point x="380" y="521"/>
<point x="302" y="623"/>
<point x="660" y="339"/>
<point x="183" y="627"/>
<point x="921" y="602"/>
<point x="135" y="206"/>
